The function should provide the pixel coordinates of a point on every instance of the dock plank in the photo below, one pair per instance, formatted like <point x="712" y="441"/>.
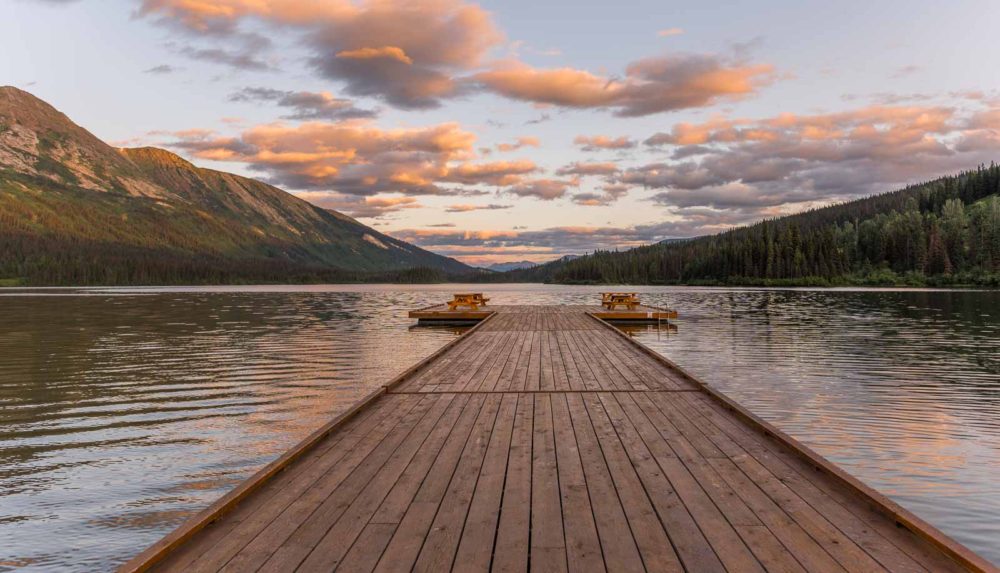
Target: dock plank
<point x="583" y="546"/>
<point x="547" y="440"/>
<point x="475" y="550"/>
<point x="511" y="550"/>
<point x="548" y="545"/>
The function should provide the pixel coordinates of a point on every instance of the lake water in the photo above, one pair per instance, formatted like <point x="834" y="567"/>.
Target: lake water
<point x="124" y="411"/>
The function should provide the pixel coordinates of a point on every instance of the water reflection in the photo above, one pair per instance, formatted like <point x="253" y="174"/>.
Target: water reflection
<point x="122" y="415"/>
<point x="122" y="411"/>
<point x="900" y="388"/>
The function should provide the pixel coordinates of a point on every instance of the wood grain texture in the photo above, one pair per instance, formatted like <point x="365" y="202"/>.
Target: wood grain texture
<point x="544" y="439"/>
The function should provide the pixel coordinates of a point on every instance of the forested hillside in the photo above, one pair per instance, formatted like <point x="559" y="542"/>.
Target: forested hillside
<point x="76" y="211"/>
<point x="946" y="231"/>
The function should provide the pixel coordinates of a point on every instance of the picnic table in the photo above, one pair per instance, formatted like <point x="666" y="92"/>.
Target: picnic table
<point x="629" y="300"/>
<point x="472" y="300"/>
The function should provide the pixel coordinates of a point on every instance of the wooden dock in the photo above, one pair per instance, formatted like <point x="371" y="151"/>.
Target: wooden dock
<point x="439" y="313"/>
<point x="545" y="439"/>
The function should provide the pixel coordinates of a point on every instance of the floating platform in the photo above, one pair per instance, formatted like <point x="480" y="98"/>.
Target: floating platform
<point x="441" y="314"/>
<point x="546" y="439"/>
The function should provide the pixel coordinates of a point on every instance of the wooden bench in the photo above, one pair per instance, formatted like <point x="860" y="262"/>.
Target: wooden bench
<point x="629" y="300"/>
<point x="472" y="300"/>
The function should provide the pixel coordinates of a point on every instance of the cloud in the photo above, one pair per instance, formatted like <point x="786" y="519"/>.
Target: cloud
<point x="543" y="189"/>
<point x="160" y="69"/>
<point x="540" y="119"/>
<point x="988" y="119"/>
<point x="416" y="54"/>
<point x="465" y="208"/>
<point x="494" y="173"/>
<point x="670" y="32"/>
<point x="406" y="53"/>
<point x="232" y="58"/>
<point x="547" y="244"/>
<point x="753" y="165"/>
<point x="651" y="85"/>
<point x="610" y="193"/>
<point x="304" y="105"/>
<point x="353" y="157"/>
<point x="563" y="86"/>
<point x="588" y="169"/>
<point x="589" y="199"/>
<point x="521" y="142"/>
<point x="361" y="207"/>
<point x="599" y="142"/>
<point x="390" y="52"/>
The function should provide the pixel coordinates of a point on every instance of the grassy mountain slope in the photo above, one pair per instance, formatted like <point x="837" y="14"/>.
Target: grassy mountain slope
<point x="74" y="210"/>
<point x="945" y="231"/>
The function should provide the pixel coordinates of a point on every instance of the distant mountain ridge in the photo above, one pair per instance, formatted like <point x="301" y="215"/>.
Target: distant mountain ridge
<point x="78" y="211"/>
<point x="510" y="266"/>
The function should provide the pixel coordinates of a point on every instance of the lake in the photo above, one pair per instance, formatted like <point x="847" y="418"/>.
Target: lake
<point x="125" y="410"/>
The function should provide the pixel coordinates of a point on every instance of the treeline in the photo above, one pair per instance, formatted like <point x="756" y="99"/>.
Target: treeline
<point x="28" y="259"/>
<point x="52" y="235"/>
<point x="946" y="231"/>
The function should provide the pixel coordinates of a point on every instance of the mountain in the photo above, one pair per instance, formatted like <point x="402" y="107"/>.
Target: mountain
<point x="74" y="210"/>
<point x="510" y="266"/>
<point x="536" y="273"/>
<point x="943" y="232"/>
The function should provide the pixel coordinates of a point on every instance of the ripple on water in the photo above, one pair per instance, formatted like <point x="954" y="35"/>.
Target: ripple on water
<point x="900" y="388"/>
<point x="124" y="411"/>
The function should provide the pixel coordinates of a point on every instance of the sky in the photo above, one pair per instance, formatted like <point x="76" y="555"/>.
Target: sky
<point x="517" y="130"/>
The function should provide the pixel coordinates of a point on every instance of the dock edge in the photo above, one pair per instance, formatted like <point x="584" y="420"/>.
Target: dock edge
<point x="877" y="501"/>
<point x="155" y="553"/>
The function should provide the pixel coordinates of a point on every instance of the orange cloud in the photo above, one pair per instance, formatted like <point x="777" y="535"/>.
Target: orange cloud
<point x="365" y="207"/>
<point x="598" y="142"/>
<point x="650" y="86"/>
<point x="495" y="173"/>
<point x="883" y="124"/>
<point x="357" y="158"/>
<point x="519" y="143"/>
<point x="415" y="54"/>
<point x="589" y="199"/>
<point x="544" y="189"/>
<point x="544" y="244"/>
<point x="353" y="157"/>
<point x="808" y="160"/>
<point x="407" y="53"/>
<point x="565" y="86"/>
<point x="390" y="52"/>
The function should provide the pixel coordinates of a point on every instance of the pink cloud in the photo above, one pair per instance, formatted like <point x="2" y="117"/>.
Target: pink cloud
<point x="465" y="208"/>
<point x="353" y="157"/>
<point x="416" y="54"/>
<point x="599" y="142"/>
<point x="585" y="169"/>
<point x="651" y="85"/>
<point x="391" y="52"/>
<point x="355" y="206"/>
<point x="407" y="53"/>
<point x="520" y="143"/>
<point x="544" y="189"/>
<point x="808" y="160"/>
